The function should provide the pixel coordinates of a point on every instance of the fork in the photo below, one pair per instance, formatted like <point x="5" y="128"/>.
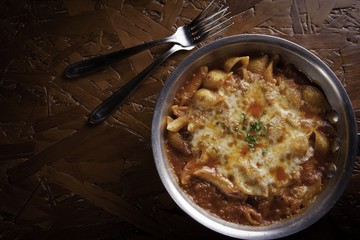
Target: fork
<point x="205" y="25"/>
<point x="182" y="36"/>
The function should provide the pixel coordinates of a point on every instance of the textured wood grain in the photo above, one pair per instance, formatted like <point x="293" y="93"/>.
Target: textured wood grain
<point x="61" y="179"/>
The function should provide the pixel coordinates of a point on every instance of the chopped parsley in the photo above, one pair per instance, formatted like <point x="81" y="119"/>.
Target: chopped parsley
<point x="256" y="126"/>
<point x="254" y="129"/>
<point x="250" y="127"/>
<point x="251" y="141"/>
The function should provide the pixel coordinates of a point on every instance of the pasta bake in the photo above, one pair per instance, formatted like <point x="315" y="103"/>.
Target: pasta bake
<point x="248" y="139"/>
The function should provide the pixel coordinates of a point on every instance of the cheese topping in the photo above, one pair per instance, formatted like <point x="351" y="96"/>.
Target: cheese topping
<point x="257" y="134"/>
<point x="253" y="133"/>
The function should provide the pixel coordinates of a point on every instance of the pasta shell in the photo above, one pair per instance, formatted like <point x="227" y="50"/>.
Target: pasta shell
<point x="206" y="99"/>
<point x="178" y="142"/>
<point x="294" y="97"/>
<point x="179" y="110"/>
<point x="215" y="79"/>
<point x="240" y="62"/>
<point x="244" y="74"/>
<point x="322" y="144"/>
<point x="259" y="64"/>
<point x="225" y="185"/>
<point x="268" y="73"/>
<point x="298" y="146"/>
<point x="293" y="120"/>
<point x="195" y="124"/>
<point x="292" y="94"/>
<point x="177" y="124"/>
<point x="314" y="98"/>
<point x="187" y="91"/>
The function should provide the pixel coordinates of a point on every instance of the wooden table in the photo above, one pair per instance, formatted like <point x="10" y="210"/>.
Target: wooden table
<point x="61" y="179"/>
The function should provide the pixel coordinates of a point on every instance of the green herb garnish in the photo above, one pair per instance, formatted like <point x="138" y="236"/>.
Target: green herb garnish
<point x="254" y="129"/>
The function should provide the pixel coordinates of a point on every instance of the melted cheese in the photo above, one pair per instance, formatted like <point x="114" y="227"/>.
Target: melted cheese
<point x="265" y="167"/>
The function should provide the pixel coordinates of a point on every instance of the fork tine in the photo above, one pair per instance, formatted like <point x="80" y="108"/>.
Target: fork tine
<point x="214" y="30"/>
<point x="197" y="18"/>
<point x="210" y="20"/>
<point x="209" y="25"/>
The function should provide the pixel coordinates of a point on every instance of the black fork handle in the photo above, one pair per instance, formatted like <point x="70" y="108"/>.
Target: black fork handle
<point x="105" y="109"/>
<point x="99" y="62"/>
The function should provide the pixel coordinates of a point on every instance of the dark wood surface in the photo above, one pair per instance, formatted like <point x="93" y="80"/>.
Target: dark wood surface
<point x="60" y="179"/>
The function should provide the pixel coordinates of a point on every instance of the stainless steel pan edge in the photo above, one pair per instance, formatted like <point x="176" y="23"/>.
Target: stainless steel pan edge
<point x="319" y="72"/>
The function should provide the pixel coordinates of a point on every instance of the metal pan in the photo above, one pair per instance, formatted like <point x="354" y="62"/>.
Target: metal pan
<point x="343" y="116"/>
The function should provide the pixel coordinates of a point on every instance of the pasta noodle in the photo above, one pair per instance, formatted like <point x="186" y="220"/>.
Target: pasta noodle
<point x="206" y="99"/>
<point x="215" y="79"/>
<point x="241" y="62"/>
<point x="249" y="140"/>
